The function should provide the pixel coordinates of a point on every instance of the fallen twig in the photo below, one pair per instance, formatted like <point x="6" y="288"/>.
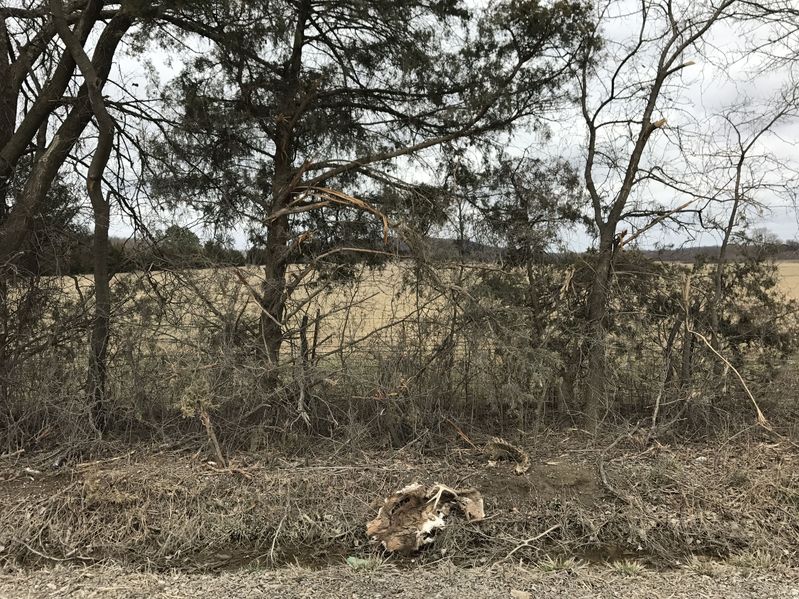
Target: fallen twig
<point x="13" y="454"/>
<point x="461" y="433"/>
<point x="528" y="541"/>
<point x="50" y="557"/>
<point x="274" y="539"/>
<point x="107" y="461"/>
<point x="206" y="420"/>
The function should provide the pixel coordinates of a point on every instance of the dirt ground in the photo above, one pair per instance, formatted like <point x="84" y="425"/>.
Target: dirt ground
<point x="439" y="581"/>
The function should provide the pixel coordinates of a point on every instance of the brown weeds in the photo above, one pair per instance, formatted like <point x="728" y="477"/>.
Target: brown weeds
<point x="170" y="510"/>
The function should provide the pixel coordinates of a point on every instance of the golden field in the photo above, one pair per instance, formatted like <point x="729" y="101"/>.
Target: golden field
<point x="789" y="278"/>
<point x="381" y="303"/>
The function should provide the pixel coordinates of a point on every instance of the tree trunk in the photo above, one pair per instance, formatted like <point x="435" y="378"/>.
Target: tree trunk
<point x="718" y="280"/>
<point x="8" y="111"/>
<point x="93" y="83"/>
<point x="721" y="262"/>
<point x="98" y="363"/>
<point x="8" y="120"/>
<point x="273" y="293"/>
<point x="278" y="234"/>
<point x="596" y="377"/>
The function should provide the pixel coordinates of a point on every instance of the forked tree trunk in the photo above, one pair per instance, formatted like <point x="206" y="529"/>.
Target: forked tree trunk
<point x="15" y="229"/>
<point x="94" y="79"/>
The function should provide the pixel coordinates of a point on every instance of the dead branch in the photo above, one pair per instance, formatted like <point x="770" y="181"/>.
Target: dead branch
<point x="761" y="419"/>
<point x="532" y="540"/>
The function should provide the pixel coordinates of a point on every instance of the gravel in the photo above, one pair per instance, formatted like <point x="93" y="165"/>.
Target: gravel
<point x="438" y="581"/>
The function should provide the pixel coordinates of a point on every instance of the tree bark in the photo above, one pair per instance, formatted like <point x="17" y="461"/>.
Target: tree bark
<point x="596" y="377"/>
<point x="101" y="322"/>
<point x="278" y="234"/>
<point x="8" y="110"/>
<point x="273" y="292"/>
<point x="721" y="262"/>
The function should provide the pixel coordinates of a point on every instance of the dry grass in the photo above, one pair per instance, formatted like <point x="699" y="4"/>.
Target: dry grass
<point x="559" y="563"/>
<point x="789" y="278"/>
<point x="174" y="510"/>
<point x="374" y="301"/>
<point x="626" y="567"/>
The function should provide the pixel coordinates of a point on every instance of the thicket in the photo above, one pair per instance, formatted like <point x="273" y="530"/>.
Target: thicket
<point x="397" y="352"/>
<point x="406" y="272"/>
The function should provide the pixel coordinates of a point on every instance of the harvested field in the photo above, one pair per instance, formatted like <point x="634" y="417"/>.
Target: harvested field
<point x="789" y="278"/>
<point x="372" y="300"/>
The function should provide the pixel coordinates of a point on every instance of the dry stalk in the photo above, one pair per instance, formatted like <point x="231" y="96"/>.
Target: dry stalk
<point x="761" y="419"/>
<point x="461" y="434"/>
<point x="98" y="462"/>
<point x="206" y="420"/>
<point x="603" y="476"/>
<point x="274" y="538"/>
<point x="52" y="558"/>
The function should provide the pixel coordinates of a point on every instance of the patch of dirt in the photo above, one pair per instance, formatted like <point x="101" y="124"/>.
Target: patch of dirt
<point x="442" y="582"/>
<point x="542" y="483"/>
<point x="20" y="484"/>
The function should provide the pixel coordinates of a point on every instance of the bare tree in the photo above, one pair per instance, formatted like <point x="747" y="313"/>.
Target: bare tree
<point x="17" y="138"/>
<point x="624" y="92"/>
<point x="748" y="170"/>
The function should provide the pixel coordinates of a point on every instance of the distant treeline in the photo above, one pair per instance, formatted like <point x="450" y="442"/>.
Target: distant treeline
<point x="778" y="250"/>
<point x="179" y="247"/>
<point x="71" y="253"/>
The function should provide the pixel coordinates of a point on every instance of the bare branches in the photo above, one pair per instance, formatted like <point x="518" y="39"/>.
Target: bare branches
<point x="94" y="86"/>
<point x="669" y="41"/>
<point x="14" y="230"/>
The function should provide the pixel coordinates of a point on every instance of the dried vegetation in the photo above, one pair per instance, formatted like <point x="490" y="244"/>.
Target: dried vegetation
<point x="173" y="509"/>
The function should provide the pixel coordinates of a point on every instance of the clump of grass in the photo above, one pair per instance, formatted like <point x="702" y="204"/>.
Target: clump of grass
<point x="759" y="560"/>
<point x="703" y="566"/>
<point x="627" y="567"/>
<point x="369" y="564"/>
<point x="664" y="470"/>
<point x="559" y="564"/>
